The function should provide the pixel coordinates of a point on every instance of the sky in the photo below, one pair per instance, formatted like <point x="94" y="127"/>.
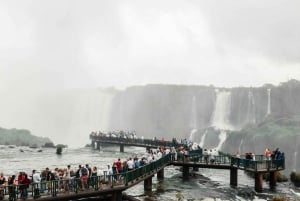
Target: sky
<point x="86" y="44"/>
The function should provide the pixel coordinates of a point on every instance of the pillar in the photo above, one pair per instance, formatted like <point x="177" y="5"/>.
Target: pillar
<point x="185" y="172"/>
<point x="161" y="174"/>
<point x="258" y="182"/>
<point x="116" y="196"/>
<point x="98" y="146"/>
<point x="148" y="184"/>
<point x="121" y="148"/>
<point x="233" y="176"/>
<point x="93" y="144"/>
<point x="273" y="179"/>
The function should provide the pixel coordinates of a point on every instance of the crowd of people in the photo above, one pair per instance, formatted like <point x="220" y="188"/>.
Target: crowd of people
<point x="84" y="177"/>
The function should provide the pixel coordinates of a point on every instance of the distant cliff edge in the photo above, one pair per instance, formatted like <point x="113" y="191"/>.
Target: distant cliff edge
<point x="21" y="137"/>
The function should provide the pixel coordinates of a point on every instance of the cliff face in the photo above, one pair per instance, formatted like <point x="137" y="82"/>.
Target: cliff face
<point x="174" y="111"/>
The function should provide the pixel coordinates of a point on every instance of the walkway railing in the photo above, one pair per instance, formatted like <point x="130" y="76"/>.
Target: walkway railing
<point x="136" y="141"/>
<point x="97" y="183"/>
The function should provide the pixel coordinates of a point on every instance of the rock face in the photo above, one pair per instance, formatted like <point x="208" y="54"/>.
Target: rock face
<point x="21" y="137"/>
<point x="254" y="118"/>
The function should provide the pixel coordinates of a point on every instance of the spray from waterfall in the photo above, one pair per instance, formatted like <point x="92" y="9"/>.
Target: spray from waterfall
<point x="201" y="143"/>
<point x="295" y="161"/>
<point x="250" y="109"/>
<point x="221" y="114"/>
<point x="220" y="118"/>
<point x="193" y="119"/>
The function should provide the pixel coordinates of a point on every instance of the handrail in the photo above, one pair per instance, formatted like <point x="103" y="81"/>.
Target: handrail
<point x="96" y="183"/>
<point x="137" y="141"/>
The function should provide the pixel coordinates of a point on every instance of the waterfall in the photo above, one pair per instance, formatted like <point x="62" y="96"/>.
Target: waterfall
<point x="295" y="160"/>
<point x="220" y="117"/>
<point x="242" y="141"/>
<point x="221" y="114"/>
<point x="269" y="103"/>
<point x="250" y="109"/>
<point x="193" y="120"/>
<point x="192" y="135"/>
<point x="222" y="138"/>
<point x="201" y="143"/>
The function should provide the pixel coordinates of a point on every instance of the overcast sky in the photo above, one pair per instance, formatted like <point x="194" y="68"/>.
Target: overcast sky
<point x="56" y="44"/>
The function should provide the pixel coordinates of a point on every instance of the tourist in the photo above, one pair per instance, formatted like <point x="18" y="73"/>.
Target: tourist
<point x="2" y="179"/>
<point x="94" y="177"/>
<point x="12" y="188"/>
<point x="84" y="177"/>
<point x="66" y="178"/>
<point x="25" y="185"/>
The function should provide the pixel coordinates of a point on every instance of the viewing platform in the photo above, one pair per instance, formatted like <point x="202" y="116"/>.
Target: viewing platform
<point x="110" y="187"/>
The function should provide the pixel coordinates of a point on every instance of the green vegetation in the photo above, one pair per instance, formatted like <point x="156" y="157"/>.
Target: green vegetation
<point x="21" y="137"/>
<point x="279" y="198"/>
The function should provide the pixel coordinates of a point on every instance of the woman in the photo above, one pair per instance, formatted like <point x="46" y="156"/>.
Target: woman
<point x="94" y="177"/>
<point x="12" y="188"/>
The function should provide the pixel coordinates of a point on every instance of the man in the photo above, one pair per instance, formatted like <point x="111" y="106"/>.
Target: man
<point x="36" y="179"/>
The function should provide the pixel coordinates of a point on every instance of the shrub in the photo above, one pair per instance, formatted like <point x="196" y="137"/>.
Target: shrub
<point x="279" y="198"/>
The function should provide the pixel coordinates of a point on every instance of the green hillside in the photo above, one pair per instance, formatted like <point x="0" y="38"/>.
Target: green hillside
<point x="20" y="137"/>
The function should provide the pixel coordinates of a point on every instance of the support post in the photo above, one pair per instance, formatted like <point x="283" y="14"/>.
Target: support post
<point x="233" y="176"/>
<point x="258" y="182"/>
<point x="148" y="184"/>
<point x="273" y="179"/>
<point x="122" y="148"/>
<point x="161" y="174"/>
<point x="185" y="172"/>
<point x="98" y="146"/>
<point x="116" y="196"/>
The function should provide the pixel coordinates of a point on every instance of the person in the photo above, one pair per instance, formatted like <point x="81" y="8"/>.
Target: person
<point x="66" y="178"/>
<point x="12" y="188"/>
<point x="94" y="177"/>
<point x="49" y="178"/>
<point x="119" y="165"/>
<point x="268" y="154"/>
<point x="2" y="184"/>
<point x="25" y="183"/>
<point x="36" y="179"/>
<point x="2" y="179"/>
<point x="84" y="177"/>
<point x="115" y="171"/>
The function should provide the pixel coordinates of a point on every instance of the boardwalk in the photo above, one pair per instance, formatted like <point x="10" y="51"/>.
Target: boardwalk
<point x="110" y="187"/>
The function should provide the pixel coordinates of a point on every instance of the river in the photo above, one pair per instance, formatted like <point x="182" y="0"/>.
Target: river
<point x="208" y="184"/>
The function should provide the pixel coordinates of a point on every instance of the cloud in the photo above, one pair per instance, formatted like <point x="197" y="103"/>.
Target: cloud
<point x="124" y="43"/>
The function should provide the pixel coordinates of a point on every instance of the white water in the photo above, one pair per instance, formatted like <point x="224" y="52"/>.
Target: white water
<point x="66" y="117"/>
<point x="193" y="120"/>
<point x="250" y="109"/>
<point x="220" y="117"/>
<point x="295" y="160"/>
<point x="201" y="143"/>
<point x="222" y="138"/>
<point x="192" y="135"/>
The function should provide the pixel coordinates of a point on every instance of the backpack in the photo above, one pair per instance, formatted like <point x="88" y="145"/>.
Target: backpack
<point x="84" y="171"/>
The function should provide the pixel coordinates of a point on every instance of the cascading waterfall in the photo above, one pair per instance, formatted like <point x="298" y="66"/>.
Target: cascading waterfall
<point x="201" y="143"/>
<point x="295" y="160"/>
<point x="250" y="109"/>
<point x="220" y="118"/>
<point x="269" y="102"/>
<point x="240" y="146"/>
<point x="193" y="120"/>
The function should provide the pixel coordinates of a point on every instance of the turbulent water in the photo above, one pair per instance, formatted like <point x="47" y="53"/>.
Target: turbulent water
<point x="208" y="184"/>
